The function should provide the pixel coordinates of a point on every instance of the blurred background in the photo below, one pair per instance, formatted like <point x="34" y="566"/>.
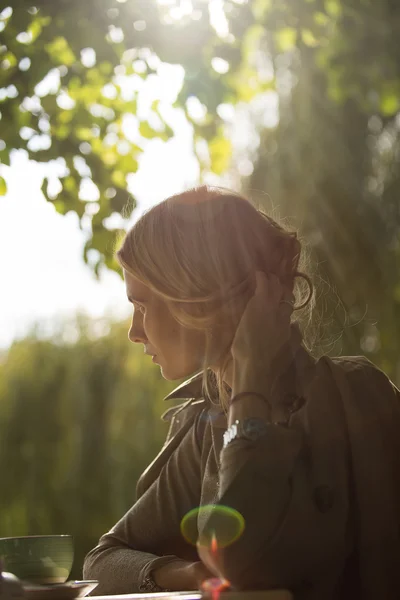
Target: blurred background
<point x="109" y="106"/>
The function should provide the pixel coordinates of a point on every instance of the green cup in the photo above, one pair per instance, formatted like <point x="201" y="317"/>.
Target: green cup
<point x="41" y="559"/>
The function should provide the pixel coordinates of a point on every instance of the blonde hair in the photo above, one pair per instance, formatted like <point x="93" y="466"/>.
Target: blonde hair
<point x="199" y="250"/>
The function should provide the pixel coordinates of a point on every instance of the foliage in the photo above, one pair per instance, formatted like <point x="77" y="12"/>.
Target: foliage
<point x="332" y="163"/>
<point x="81" y="423"/>
<point x="72" y="72"/>
<point x="78" y="424"/>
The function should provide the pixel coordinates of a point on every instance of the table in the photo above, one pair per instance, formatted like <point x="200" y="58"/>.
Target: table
<point x="258" y="595"/>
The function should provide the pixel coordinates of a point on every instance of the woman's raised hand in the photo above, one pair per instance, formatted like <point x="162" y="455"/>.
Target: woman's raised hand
<point x="260" y="348"/>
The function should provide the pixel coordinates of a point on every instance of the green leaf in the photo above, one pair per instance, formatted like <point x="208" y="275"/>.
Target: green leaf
<point x="44" y="187"/>
<point x="106" y="68"/>
<point x="10" y="58"/>
<point x="247" y="84"/>
<point x="3" y="186"/>
<point x="321" y="19"/>
<point x="60" y="52"/>
<point x="333" y="8"/>
<point x="84" y="133"/>
<point x="35" y="28"/>
<point x="147" y="131"/>
<point x="389" y="104"/>
<point x="286" y="38"/>
<point x="111" y="261"/>
<point x="220" y="153"/>
<point x="118" y="178"/>
<point x="336" y="92"/>
<point x="251" y="40"/>
<point x="120" y="201"/>
<point x="70" y="184"/>
<point x="128" y="163"/>
<point x="62" y="132"/>
<point x="110" y="157"/>
<point x="309" y="38"/>
<point x="260" y="8"/>
<point x="5" y="156"/>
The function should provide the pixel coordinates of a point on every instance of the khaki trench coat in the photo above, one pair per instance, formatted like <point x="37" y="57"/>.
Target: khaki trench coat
<point x="320" y="494"/>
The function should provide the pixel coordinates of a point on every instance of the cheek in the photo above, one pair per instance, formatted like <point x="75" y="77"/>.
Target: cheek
<point x="159" y="325"/>
<point x="170" y="337"/>
<point x="194" y="344"/>
<point x="178" y="337"/>
<point x="189" y="345"/>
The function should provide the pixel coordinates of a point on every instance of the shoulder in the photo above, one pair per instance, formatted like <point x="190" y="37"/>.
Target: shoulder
<point x="352" y="363"/>
<point x="355" y="365"/>
<point x="360" y="374"/>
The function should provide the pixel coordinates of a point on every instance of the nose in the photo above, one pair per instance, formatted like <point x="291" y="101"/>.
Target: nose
<point x="136" y="332"/>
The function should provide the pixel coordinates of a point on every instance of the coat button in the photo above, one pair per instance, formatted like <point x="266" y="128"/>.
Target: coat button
<point x="323" y="498"/>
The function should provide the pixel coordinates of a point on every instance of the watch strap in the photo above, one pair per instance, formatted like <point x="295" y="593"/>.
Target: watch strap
<point x="251" y="429"/>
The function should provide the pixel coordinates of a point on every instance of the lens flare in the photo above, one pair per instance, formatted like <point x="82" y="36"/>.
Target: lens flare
<point x="214" y="543"/>
<point x="214" y="586"/>
<point x="213" y="526"/>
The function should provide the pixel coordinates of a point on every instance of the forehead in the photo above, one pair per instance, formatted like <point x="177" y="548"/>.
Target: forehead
<point x="135" y="289"/>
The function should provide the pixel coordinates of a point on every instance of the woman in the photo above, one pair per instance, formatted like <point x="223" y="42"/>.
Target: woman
<point x="306" y="451"/>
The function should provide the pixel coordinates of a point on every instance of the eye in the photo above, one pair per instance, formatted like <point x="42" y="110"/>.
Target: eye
<point x="139" y="307"/>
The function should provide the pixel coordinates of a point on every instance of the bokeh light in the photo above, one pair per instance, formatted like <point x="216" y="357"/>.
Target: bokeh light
<point x="222" y="524"/>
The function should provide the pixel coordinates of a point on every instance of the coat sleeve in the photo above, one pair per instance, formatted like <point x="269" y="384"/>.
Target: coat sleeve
<point x="291" y="488"/>
<point x="141" y="540"/>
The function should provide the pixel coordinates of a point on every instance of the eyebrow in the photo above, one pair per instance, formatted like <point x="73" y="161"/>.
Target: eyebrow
<point x="135" y="300"/>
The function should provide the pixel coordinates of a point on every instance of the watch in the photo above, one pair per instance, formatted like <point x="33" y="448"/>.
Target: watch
<point x="250" y="429"/>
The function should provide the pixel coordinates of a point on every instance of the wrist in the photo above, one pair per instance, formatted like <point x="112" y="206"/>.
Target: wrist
<point x="199" y="573"/>
<point x="249" y="405"/>
<point x="174" y="576"/>
<point x="181" y="575"/>
<point x="248" y="377"/>
<point x="246" y="387"/>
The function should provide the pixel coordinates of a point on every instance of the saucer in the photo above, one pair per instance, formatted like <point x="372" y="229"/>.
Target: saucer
<point x="58" y="591"/>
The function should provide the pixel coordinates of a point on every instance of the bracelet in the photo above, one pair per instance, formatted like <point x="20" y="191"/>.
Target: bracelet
<point x="237" y="396"/>
<point x="150" y="586"/>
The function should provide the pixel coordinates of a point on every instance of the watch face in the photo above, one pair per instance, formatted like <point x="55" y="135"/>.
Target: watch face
<point x="254" y="428"/>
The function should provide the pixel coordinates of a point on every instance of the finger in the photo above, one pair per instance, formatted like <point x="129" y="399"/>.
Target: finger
<point x="270" y="288"/>
<point x="281" y="299"/>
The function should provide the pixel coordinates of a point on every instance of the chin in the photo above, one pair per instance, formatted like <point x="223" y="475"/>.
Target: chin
<point x="173" y="374"/>
<point x="169" y="375"/>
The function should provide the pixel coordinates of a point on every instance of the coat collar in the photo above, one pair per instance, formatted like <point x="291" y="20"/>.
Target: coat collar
<point x="191" y="388"/>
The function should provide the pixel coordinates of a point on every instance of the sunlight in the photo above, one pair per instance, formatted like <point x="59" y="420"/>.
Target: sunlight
<point x="218" y="18"/>
<point x="179" y="9"/>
